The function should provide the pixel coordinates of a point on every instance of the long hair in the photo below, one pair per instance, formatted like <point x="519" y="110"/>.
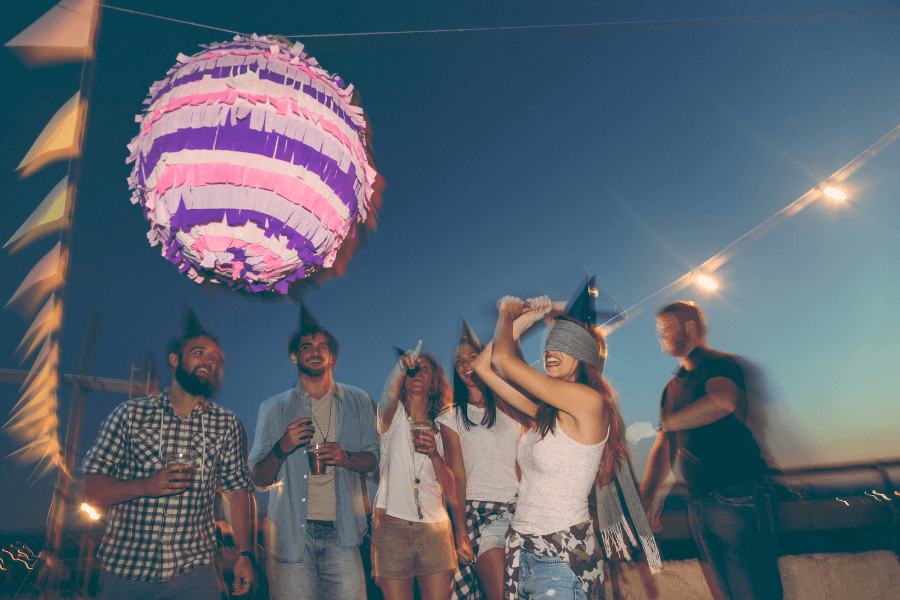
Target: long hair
<point x="439" y="395"/>
<point x="616" y="446"/>
<point x="461" y="399"/>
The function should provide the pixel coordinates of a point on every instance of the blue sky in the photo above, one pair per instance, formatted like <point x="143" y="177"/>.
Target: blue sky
<point x="521" y="163"/>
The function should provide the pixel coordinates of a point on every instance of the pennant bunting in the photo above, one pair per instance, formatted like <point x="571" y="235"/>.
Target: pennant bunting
<point x="60" y="139"/>
<point x="50" y="216"/>
<point x="64" y="34"/>
<point x="46" y="272"/>
<point x="45" y="323"/>
<point x="44" y="363"/>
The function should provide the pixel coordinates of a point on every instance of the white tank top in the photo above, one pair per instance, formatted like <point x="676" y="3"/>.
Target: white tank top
<point x="557" y="476"/>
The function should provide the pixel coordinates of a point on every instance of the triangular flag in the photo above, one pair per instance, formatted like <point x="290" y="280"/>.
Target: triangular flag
<point x="39" y="391"/>
<point x="60" y="139"/>
<point x="43" y="362"/>
<point x="47" y="270"/>
<point x="47" y="218"/>
<point x="46" y="322"/>
<point x="64" y="34"/>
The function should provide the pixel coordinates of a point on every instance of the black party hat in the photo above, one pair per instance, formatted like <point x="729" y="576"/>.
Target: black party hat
<point x="582" y="307"/>
<point x="305" y="318"/>
<point x="467" y="336"/>
<point x="594" y="305"/>
<point x="190" y="324"/>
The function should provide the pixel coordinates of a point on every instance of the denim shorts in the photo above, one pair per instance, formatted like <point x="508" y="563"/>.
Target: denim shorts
<point x="494" y="535"/>
<point x="547" y="578"/>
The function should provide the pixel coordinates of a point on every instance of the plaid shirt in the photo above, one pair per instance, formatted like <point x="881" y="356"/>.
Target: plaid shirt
<point x="157" y="539"/>
<point x="479" y="514"/>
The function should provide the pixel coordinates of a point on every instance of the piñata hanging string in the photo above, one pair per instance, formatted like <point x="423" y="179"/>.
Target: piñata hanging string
<point x="609" y="28"/>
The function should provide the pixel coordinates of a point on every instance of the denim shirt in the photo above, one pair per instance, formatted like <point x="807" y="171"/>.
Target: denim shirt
<point x="286" y="531"/>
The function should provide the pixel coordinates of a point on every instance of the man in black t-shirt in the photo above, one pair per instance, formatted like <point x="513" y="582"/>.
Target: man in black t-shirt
<point x="733" y="508"/>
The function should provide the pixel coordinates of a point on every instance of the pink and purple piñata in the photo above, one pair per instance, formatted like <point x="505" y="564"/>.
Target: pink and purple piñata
<point x="252" y="165"/>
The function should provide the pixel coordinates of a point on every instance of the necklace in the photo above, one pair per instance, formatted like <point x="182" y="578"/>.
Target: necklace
<point x="330" y="407"/>
<point x="416" y="480"/>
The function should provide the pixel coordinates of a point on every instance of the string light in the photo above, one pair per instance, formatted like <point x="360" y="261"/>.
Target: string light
<point x="707" y="282"/>
<point x="90" y="510"/>
<point x="836" y="194"/>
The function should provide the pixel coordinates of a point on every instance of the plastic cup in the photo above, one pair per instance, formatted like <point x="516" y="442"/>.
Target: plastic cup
<point x="317" y="465"/>
<point x="417" y="428"/>
<point x="187" y="460"/>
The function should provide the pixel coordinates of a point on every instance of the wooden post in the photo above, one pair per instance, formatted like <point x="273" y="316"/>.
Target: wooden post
<point x="53" y="549"/>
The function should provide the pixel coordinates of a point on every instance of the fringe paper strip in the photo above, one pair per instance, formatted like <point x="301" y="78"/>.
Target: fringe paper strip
<point x="252" y="165"/>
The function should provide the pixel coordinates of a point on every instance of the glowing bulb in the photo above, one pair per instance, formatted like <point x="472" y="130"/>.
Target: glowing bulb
<point x="835" y="194"/>
<point x="91" y="511"/>
<point x="707" y="282"/>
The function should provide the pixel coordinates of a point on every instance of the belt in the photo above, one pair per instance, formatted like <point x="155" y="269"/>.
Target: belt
<point x="321" y="523"/>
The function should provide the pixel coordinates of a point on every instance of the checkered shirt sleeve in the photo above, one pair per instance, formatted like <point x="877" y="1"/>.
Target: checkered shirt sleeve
<point x="233" y="473"/>
<point x="108" y="450"/>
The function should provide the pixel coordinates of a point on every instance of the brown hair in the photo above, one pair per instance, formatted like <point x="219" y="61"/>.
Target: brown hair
<point x="439" y="395"/>
<point x="616" y="446"/>
<point x="684" y="312"/>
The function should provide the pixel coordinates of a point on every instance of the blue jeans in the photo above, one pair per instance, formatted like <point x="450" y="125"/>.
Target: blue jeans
<point x="547" y="577"/>
<point x="200" y="583"/>
<point x="327" y="572"/>
<point x="736" y="532"/>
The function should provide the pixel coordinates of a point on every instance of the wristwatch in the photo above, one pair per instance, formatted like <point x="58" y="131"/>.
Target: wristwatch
<point x="349" y="460"/>
<point x="249" y="555"/>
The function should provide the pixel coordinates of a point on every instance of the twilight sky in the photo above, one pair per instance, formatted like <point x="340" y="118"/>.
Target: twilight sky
<point x="520" y="162"/>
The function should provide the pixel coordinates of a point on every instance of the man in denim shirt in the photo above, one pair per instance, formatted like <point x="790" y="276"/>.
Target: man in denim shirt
<point x="315" y="523"/>
<point x="733" y="507"/>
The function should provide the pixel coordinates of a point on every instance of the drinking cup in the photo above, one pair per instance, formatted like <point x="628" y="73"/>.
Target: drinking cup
<point x="186" y="460"/>
<point x="417" y="428"/>
<point x="317" y="465"/>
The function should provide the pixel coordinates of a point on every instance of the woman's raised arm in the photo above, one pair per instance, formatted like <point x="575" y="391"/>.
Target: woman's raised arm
<point x="576" y="399"/>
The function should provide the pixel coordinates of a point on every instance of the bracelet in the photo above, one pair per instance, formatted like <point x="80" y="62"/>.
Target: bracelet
<point x="349" y="460"/>
<point x="279" y="453"/>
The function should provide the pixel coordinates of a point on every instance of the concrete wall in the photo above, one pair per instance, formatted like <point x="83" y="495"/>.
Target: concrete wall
<point x="840" y="576"/>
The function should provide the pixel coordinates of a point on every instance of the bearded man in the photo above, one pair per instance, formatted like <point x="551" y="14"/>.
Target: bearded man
<point x="157" y="464"/>
<point x="315" y="521"/>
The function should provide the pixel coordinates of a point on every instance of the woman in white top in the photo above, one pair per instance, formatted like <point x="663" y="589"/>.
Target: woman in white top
<point x="411" y="536"/>
<point x="577" y="434"/>
<point x="480" y="436"/>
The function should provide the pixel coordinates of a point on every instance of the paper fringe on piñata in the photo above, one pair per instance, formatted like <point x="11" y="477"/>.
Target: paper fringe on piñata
<point x="252" y="165"/>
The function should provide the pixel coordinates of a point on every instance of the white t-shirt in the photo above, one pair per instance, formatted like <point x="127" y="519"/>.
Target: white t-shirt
<point x="489" y="454"/>
<point x="557" y="476"/>
<point x="400" y="464"/>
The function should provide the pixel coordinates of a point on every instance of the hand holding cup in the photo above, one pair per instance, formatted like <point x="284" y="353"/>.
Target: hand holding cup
<point x="423" y="436"/>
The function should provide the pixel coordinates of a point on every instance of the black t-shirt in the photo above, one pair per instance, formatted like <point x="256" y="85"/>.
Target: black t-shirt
<point x="721" y="454"/>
